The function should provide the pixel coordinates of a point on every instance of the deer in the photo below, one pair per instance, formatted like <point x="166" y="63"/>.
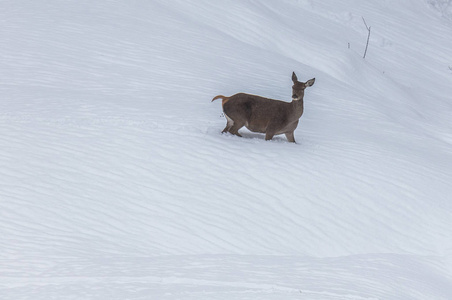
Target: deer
<point x="265" y="115"/>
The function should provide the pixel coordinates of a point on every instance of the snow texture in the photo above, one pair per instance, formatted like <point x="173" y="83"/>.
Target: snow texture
<point x="116" y="182"/>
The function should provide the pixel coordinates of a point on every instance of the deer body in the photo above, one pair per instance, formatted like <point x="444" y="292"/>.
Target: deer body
<point x="265" y="115"/>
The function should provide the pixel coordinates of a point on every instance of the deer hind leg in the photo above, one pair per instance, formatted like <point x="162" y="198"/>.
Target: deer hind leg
<point x="229" y="124"/>
<point x="232" y="126"/>
<point x="269" y="135"/>
<point x="235" y="128"/>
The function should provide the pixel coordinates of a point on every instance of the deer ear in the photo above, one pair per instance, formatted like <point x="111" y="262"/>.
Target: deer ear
<point x="310" y="82"/>
<point x="294" y="77"/>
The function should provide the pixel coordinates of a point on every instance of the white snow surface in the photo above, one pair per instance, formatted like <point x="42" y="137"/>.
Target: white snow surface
<point x="116" y="182"/>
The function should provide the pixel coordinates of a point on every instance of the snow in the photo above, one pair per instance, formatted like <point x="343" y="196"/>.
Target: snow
<point x="116" y="182"/>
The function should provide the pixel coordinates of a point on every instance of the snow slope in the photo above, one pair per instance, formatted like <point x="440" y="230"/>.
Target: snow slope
<point x="115" y="182"/>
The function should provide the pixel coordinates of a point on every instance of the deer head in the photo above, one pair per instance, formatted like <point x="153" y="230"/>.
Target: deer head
<point x="298" y="87"/>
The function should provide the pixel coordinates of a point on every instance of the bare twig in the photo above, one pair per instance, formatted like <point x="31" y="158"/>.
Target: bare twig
<point x="368" y="37"/>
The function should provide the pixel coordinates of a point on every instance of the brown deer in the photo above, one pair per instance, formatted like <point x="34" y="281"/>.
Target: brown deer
<point x="265" y="115"/>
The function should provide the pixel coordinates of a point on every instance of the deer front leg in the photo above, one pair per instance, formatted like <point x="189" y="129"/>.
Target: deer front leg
<point x="290" y="137"/>
<point x="271" y="130"/>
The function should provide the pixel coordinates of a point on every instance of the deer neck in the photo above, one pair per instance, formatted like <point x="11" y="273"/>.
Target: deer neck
<point x="298" y="108"/>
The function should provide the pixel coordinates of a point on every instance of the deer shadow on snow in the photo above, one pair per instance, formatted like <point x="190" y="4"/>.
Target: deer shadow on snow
<point x="264" y="115"/>
<point x="249" y="135"/>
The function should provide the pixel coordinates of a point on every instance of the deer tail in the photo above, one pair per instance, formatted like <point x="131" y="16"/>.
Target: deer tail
<point x="225" y="99"/>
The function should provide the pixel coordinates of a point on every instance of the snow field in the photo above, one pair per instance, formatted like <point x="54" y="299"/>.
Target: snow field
<point x="115" y="181"/>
